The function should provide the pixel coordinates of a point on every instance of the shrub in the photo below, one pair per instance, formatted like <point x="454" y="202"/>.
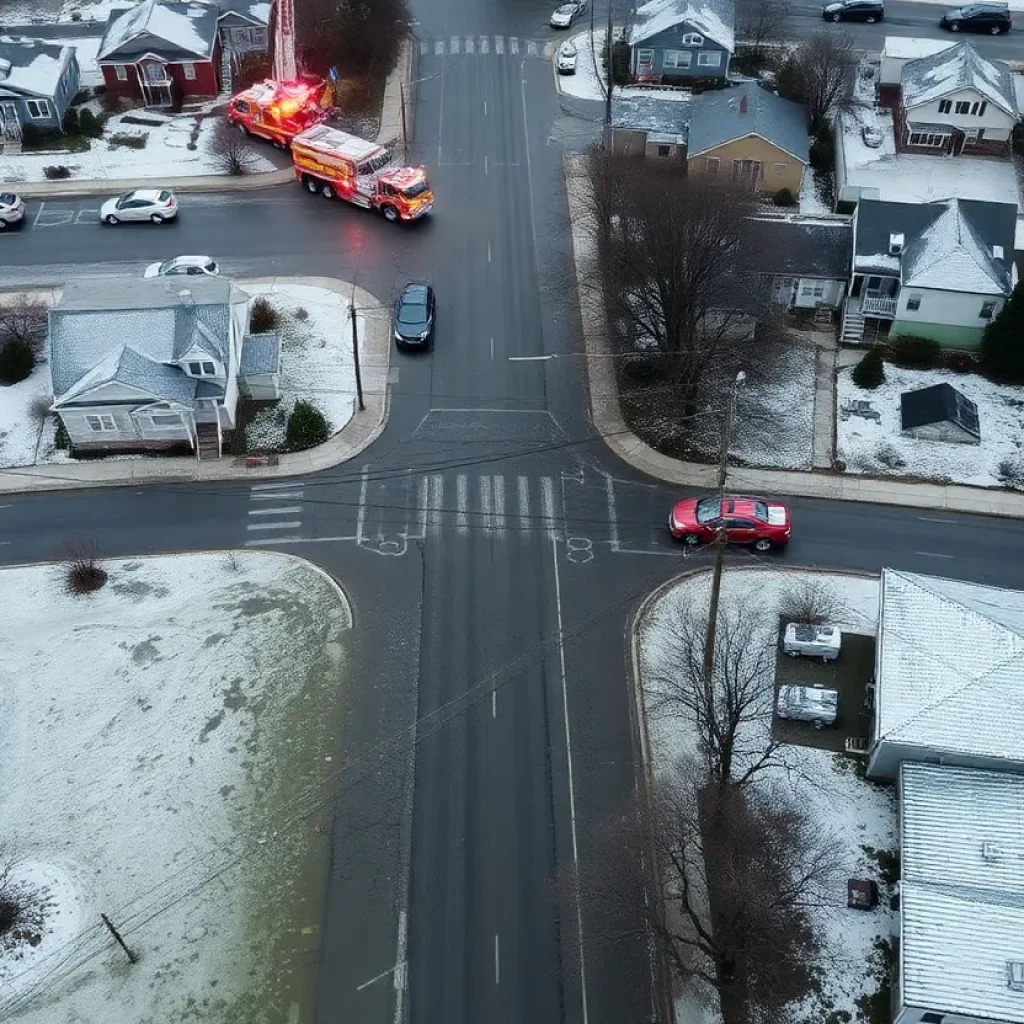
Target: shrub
<point x="915" y="353"/>
<point x="83" y="573"/>
<point x="128" y="140"/>
<point x="784" y="198"/>
<point x="1011" y="473"/>
<point x="90" y="124"/>
<point x="70" y="123"/>
<point x="39" y="409"/>
<point x="823" y="153"/>
<point x="24" y="318"/>
<point x="620" y="62"/>
<point x="263" y="316"/>
<point x="61" y="440"/>
<point x="960" y="362"/>
<point x="1002" y="354"/>
<point x="301" y="313"/>
<point x="56" y="172"/>
<point x="17" y="360"/>
<point x="307" y="427"/>
<point x="230" y="149"/>
<point x="32" y="136"/>
<point x="869" y="373"/>
<point x="889" y="457"/>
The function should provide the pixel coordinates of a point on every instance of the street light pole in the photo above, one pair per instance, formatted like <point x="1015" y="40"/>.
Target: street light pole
<point x="355" y="358"/>
<point x="716" y="576"/>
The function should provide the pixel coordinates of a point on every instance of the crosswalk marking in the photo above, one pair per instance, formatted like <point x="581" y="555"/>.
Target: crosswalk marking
<point x="549" y="48"/>
<point x="486" y="503"/>
<point x="485" y="44"/>
<point x="439" y="48"/>
<point x="454" y="45"/>
<point x="547" y="500"/>
<point x="436" y="501"/>
<point x="291" y="510"/>
<point x="470" y="44"/>
<point x="270" y="502"/>
<point x="531" y="48"/>
<point x="462" y="494"/>
<point x="499" y="505"/>
<point x="513" y="45"/>
<point x="274" y="526"/>
<point x="499" y="44"/>
<point x="524" y="504"/>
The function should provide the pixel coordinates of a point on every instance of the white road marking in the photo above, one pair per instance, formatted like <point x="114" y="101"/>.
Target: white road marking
<point x="436" y="500"/>
<point x="290" y="510"/>
<point x="439" y="48"/>
<point x="613" y="519"/>
<point x="261" y="542"/>
<point x="547" y="501"/>
<point x="499" y="44"/>
<point x="486" y="503"/>
<point x="361" y="514"/>
<point x="485" y="163"/>
<point x="454" y="48"/>
<point x="499" y="504"/>
<point x="549" y="48"/>
<point x="275" y="487"/>
<point x="494" y="703"/>
<point x="470" y="44"/>
<point x="485" y="108"/>
<point x="530" y="359"/>
<point x="513" y="45"/>
<point x="400" y="954"/>
<point x="423" y="52"/>
<point x="485" y="44"/>
<point x="277" y="496"/>
<point x="935" y="519"/>
<point x="373" y="981"/>
<point x="488" y="250"/>
<point x="531" y="48"/>
<point x="492" y="350"/>
<point x="274" y="526"/>
<point x="523" y="485"/>
<point x="462" y="490"/>
<point x="497" y="961"/>
<point x="933" y="554"/>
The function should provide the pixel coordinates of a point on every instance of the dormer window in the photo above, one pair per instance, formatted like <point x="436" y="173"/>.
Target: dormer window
<point x="896" y="244"/>
<point x="997" y="252"/>
<point x="202" y="369"/>
<point x="693" y="39"/>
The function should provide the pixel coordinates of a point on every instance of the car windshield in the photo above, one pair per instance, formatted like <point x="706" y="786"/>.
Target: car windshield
<point x="708" y="509"/>
<point x="211" y="267"/>
<point x="566" y="9"/>
<point x="164" y="196"/>
<point x="167" y="266"/>
<point x="567" y="50"/>
<point x="761" y="510"/>
<point x="8" y="198"/>
<point x="124" y="200"/>
<point x="412" y="312"/>
<point x="412" y="191"/>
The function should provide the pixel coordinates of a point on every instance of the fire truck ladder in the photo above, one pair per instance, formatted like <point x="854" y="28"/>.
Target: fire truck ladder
<point x="285" y="69"/>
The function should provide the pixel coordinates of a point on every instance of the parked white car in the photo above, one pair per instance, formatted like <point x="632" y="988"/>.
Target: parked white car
<point x="565" y="15"/>
<point x="567" y="58"/>
<point x="12" y="209"/>
<point x="802" y="640"/>
<point x="152" y="204"/>
<point x="191" y="265"/>
<point x="813" y="704"/>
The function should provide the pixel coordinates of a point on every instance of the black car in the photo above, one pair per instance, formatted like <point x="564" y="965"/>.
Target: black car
<point x="414" y="316"/>
<point x="854" y="10"/>
<point x="993" y="18"/>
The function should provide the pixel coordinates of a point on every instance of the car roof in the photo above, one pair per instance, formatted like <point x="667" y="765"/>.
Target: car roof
<point x="416" y="291"/>
<point x="191" y="261"/>
<point x="147" y="193"/>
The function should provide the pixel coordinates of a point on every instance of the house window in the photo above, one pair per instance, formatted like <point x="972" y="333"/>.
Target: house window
<point x="988" y="310"/>
<point x="165" y="420"/>
<point x="932" y="1018"/>
<point x="190" y="71"/>
<point x="711" y="164"/>
<point x="913" y="303"/>
<point x="974" y="108"/>
<point x="746" y="170"/>
<point x="779" y="170"/>
<point x="38" y="110"/>
<point x="982" y="108"/>
<point x="677" y="59"/>
<point x="154" y="74"/>
<point x="963" y="107"/>
<point x="121" y="72"/>
<point x="664" y="150"/>
<point x="945" y="106"/>
<point x="927" y="139"/>
<point x="644" y="59"/>
<point x="693" y="39"/>
<point x="259" y="37"/>
<point x="709" y="60"/>
<point x="815" y="289"/>
<point x="101" y="422"/>
<point x="202" y="369"/>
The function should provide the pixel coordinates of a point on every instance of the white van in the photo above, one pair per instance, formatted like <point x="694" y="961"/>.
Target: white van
<point x="823" y="642"/>
<point x="812" y="704"/>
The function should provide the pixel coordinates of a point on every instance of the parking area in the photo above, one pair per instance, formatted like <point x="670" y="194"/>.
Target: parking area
<point x="849" y="674"/>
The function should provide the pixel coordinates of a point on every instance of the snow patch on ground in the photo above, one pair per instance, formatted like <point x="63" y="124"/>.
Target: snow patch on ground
<point x="23" y="434"/>
<point x="881" y="449"/>
<point x="811" y="202"/>
<point x="162" y="737"/>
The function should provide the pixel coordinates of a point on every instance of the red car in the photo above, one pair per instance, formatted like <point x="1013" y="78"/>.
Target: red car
<point x="763" y="524"/>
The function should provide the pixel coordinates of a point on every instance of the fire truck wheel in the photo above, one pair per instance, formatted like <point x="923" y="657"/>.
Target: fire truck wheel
<point x="327" y="191"/>
<point x="312" y="185"/>
<point x="390" y="213"/>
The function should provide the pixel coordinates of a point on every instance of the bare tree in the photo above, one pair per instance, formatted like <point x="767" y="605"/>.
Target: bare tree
<point x="24" y="318"/>
<point x="23" y="906"/>
<point x="760" y="23"/>
<point x="83" y="571"/>
<point x="232" y="154"/>
<point x="731" y="713"/>
<point x="362" y="38"/>
<point x="812" y="600"/>
<point x="819" y="74"/>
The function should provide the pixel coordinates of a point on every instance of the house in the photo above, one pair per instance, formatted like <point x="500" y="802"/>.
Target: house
<point x="961" y="922"/>
<point x="938" y="270"/>
<point x="751" y="135"/>
<point x="242" y="26"/>
<point x="940" y="413"/>
<point x="161" y="50"/>
<point x="147" y="364"/>
<point x="38" y="81"/>
<point x="810" y="259"/>
<point x="956" y="101"/>
<point x="649" y="126"/>
<point x="948" y="677"/>
<point x="679" y="42"/>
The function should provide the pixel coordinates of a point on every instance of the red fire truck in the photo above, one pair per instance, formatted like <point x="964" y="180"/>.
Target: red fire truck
<point x="280" y="110"/>
<point x="342" y="166"/>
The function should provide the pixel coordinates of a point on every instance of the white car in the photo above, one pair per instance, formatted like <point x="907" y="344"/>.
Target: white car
<point x="153" y="204"/>
<point x="12" y="209"/>
<point x="191" y="265"/>
<point x="567" y="58"/>
<point x="565" y="15"/>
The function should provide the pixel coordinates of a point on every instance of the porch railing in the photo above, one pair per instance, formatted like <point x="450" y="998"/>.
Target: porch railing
<point x="878" y="305"/>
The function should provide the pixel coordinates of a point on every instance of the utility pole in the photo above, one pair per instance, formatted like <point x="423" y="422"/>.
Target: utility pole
<point x="610" y="82"/>
<point x="405" y="129"/>
<point x="716" y="576"/>
<point x="355" y="357"/>
<point x="132" y="957"/>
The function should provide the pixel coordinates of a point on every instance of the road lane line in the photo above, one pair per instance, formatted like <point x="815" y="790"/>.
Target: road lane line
<point x="462" y="496"/>
<point x="613" y="519"/>
<point x="498" y="488"/>
<point x="277" y="496"/>
<point x="524" y="504"/>
<point x="275" y="526"/>
<point x="275" y="487"/>
<point x="935" y="519"/>
<point x="497" y="961"/>
<point x="488" y="250"/>
<point x="486" y="504"/>
<point x="485" y="163"/>
<point x="933" y="554"/>
<point x="361" y="514"/>
<point x="568" y="762"/>
<point x="494" y="703"/>
<point x="492" y="349"/>
<point x="547" y="501"/>
<point x="400" y="951"/>
<point x="290" y="510"/>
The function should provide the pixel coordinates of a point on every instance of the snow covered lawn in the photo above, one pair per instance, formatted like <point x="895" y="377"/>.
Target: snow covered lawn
<point x="860" y="814"/>
<point x="881" y="449"/>
<point x="316" y="360"/>
<point x="168" y="744"/>
<point x="26" y="433"/>
<point x="166" y="153"/>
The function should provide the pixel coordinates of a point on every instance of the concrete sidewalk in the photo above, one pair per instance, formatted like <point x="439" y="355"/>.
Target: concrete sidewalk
<point x="360" y="431"/>
<point x="608" y="421"/>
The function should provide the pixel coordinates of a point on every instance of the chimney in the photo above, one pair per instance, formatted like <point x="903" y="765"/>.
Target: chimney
<point x="743" y="104"/>
<point x="997" y="252"/>
<point x="896" y="244"/>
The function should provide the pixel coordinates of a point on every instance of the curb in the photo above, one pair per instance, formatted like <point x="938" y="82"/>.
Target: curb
<point x="606" y="415"/>
<point x="357" y="435"/>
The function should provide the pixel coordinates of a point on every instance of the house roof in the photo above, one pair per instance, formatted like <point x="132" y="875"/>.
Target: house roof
<point x="940" y="403"/>
<point x="650" y="114"/>
<point x="174" y="29"/>
<point x="129" y="330"/>
<point x="954" y="69"/>
<point x="713" y="18"/>
<point x="805" y="247"/>
<point x="949" y="244"/>
<point x="961" y="890"/>
<point x="256" y="11"/>
<point x="32" y="66"/>
<point x="261" y="353"/>
<point x="948" y="666"/>
<point x="725" y="115"/>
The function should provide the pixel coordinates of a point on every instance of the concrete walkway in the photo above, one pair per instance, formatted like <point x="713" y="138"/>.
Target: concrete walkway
<point x="608" y="421"/>
<point x="354" y="437"/>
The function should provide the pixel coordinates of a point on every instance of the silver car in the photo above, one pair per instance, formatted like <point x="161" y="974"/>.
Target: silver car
<point x="194" y="266"/>
<point x="152" y="204"/>
<point x="565" y="15"/>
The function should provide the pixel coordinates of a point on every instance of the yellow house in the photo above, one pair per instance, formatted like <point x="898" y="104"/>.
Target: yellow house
<point x="750" y="134"/>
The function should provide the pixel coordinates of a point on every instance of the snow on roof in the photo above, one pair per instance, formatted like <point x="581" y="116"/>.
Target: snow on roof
<point x="190" y="27"/>
<point x="873" y="262"/>
<point x="949" y="657"/>
<point x="907" y="48"/>
<point x="950" y="254"/>
<point x="961" y="890"/>
<point x="35" y="66"/>
<point x="959" y="67"/>
<point x="652" y="113"/>
<point x="254" y="10"/>
<point x="714" y="18"/>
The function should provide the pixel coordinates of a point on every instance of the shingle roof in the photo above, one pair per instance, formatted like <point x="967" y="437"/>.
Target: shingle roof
<point x="713" y="18"/>
<point x="36" y="67"/>
<point x="961" y="890"/>
<point x="728" y="114"/>
<point x="940" y="403"/>
<point x="173" y="29"/>
<point x="261" y="353"/>
<point x="804" y="248"/>
<point x="253" y="10"/>
<point x="959" y="67"/>
<point x="650" y="114"/>
<point x="949" y="666"/>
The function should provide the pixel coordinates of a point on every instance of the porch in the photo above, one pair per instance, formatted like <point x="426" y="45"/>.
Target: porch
<point x="872" y="297"/>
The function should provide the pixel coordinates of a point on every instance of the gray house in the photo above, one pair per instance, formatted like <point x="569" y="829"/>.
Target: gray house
<point x="243" y="27"/>
<point x="678" y="42"/>
<point x="38" y="81"/>
<point x="650" y="126"/>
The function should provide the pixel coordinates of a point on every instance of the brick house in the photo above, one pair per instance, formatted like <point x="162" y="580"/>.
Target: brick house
<point x="162" y="47"/>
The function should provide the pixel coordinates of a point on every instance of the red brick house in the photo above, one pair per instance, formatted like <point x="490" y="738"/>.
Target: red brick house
<point x="161" y="47"/>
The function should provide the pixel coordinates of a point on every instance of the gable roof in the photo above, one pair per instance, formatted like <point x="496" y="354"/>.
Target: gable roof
<point x="953" y="69"/>
<point x="261" y="353"/>
<point x="132" y="331"/>
<point x="256" y="11"/>
<point x="726" y="115"/>
<point x="940" y="403"/>
<point x="804" y="247"/>
<point x="948" y="244"/>
<point x="948" y="666"/>
<point x="657" y="117"/>
<point x="32" y="67"/>
<point x="174" y="29"/>
<point x="712" y="18"/>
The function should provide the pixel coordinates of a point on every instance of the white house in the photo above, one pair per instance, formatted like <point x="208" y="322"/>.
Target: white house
<point x="949" y="676"/>
<point x="939" y="270"/>
<point x="961" y="948"/>
<point x="152" y="363"/>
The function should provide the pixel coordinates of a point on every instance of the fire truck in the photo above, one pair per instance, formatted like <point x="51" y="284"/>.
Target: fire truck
<point x="342" y="166"/>
<point x="278" y="111"/>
